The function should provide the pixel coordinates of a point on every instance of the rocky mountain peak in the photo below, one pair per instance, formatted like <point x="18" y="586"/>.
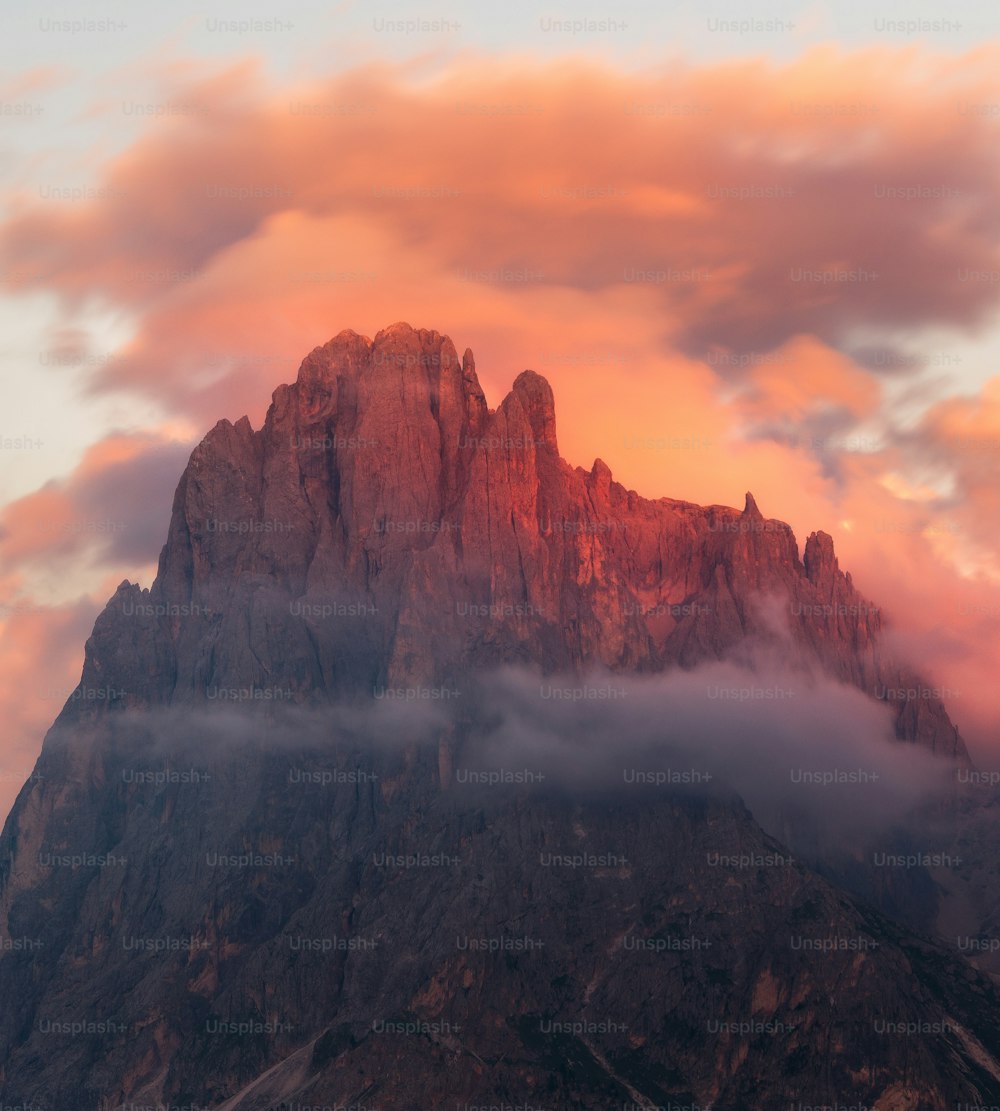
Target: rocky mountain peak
<point x="750" y="510"/>
<point x="536" y="398"/>
<point x="819" y="560"/>
<point x="600" y="478"/>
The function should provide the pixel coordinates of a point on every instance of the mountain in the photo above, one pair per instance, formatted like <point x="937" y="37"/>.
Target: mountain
<point x="383" y="487"/>
<point x="265" y="864"/>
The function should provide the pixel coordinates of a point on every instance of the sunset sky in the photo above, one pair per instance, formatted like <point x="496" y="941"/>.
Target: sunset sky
<point x="759" y="257"/>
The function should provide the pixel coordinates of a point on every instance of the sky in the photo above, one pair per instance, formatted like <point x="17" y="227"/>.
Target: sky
<point x="749" y="249"/>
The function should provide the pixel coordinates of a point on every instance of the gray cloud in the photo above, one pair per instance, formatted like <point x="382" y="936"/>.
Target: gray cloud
<point x="810" y="756"/>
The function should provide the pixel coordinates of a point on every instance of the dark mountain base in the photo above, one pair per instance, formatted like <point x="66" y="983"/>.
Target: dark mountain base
<point x="365" y="938"/>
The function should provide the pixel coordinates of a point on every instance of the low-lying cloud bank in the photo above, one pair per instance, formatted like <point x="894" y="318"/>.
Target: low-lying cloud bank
<point x="813" y="759"/>
<point x="797" y="748"/>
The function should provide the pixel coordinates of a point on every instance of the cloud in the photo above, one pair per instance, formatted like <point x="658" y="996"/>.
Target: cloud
<point x="111" y="512"/>
<point x="733" y="200"/>
<point x="41" y="653"/>
<point x="815" y="760"/>
<point x="41" y="79"/>
<point x="64" y="548"/>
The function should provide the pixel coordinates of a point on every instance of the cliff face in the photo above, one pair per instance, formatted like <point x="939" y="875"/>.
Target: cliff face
<point x="237" y="886"/>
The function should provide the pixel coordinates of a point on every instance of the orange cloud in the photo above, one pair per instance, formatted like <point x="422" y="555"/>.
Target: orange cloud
<point x="743" y="197"/>
<point x="41" y="654"/>
<point x="63" y="550"/>
<point x="110" y="513"/>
